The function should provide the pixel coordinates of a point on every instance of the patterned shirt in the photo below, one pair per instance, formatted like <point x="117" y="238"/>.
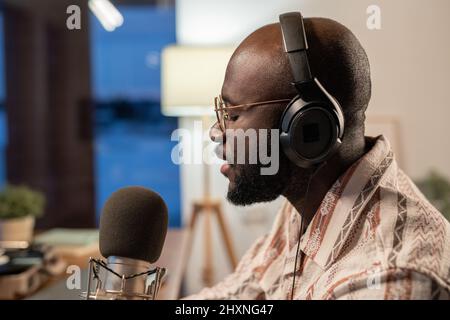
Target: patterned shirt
<point x="374" y="236"/>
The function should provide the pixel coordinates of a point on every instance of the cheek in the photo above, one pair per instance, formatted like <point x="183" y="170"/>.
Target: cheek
<point x="257" y="123"/>
<point x="246" y="147"/>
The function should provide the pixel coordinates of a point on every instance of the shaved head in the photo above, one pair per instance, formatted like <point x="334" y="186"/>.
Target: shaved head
<point x="336" y="58"/>
<point x="259" y="70"/>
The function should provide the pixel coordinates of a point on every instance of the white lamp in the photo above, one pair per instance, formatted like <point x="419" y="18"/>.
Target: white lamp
<point x="190" y="79"/>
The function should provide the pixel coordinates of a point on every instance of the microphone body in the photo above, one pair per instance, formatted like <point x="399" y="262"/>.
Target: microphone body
<point x="136" y="285"/>
<point x="133" y="228"/>
<point x="112" y="282"/>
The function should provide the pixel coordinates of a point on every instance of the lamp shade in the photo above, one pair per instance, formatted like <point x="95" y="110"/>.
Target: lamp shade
<point x="190" y="79"/>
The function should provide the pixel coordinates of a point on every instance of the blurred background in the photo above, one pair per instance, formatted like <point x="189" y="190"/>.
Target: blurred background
<point x="85" y="111"/>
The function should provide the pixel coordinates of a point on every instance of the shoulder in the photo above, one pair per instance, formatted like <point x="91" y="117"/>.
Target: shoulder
<point x="390" y="284"/>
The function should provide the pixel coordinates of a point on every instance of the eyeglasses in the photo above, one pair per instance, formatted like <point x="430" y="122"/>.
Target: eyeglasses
<point x="222" y="110"/>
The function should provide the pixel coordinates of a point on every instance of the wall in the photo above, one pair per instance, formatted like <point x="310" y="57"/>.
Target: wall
<point x="410" y="65"/>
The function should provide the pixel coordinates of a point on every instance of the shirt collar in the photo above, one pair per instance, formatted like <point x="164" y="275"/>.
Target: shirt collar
<point x="343" y="203"/>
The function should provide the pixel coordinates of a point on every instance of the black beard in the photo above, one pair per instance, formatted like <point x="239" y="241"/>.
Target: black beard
<point x="250" y="186"/>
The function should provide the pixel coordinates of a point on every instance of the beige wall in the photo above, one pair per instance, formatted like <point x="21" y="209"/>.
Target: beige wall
<point x="410" y="61"/>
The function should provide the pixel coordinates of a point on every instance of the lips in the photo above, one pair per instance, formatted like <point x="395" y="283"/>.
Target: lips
<point x="220" y="153"/>
<point x="224" y="169"/>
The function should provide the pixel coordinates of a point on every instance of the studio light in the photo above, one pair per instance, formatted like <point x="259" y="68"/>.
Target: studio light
<point x="106" y="13"/>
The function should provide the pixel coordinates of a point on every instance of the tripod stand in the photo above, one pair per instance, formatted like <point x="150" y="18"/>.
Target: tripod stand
<point x="209" y="208"/>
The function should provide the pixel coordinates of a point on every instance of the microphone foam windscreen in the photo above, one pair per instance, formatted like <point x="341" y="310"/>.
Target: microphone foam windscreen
<point x="133" y="224"/>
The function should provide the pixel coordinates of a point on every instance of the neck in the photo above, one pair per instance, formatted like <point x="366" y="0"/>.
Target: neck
<point x="321" y="180"/>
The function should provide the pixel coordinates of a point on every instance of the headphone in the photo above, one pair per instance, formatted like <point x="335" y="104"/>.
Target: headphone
<point x="312" y="125"/>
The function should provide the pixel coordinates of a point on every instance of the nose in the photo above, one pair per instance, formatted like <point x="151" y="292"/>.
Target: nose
<point x="216" y="134"/>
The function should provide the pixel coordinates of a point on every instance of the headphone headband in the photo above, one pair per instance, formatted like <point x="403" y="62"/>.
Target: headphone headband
<point x="296" y="45"/>
<point x="312" y="125"/>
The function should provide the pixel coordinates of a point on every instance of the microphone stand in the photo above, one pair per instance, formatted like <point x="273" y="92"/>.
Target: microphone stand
<point x="130" y="286"/>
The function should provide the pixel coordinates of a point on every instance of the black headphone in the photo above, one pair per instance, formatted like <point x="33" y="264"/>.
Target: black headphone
<point x="312" y="125"/>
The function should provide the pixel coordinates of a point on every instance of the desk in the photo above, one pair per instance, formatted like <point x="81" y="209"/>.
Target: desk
<point x="173" y="258"/>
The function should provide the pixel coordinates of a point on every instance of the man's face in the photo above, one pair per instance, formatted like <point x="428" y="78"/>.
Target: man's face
<point x="248" y="183"/>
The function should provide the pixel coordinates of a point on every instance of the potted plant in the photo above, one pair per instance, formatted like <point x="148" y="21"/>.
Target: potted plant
<point x="436" y="187"/>
<point x="19" y="206"/>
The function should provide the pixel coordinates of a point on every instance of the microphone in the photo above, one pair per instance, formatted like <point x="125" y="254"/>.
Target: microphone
<point x="133" y="227"/>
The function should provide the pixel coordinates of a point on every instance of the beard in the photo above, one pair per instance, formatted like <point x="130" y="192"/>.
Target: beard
<point x="249" y="186"/>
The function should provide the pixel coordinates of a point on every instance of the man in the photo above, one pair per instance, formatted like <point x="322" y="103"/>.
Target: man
<point x="354" y="226"/>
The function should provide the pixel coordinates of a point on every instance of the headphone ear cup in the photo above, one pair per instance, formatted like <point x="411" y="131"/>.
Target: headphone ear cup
<point x="310" y="133"/>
